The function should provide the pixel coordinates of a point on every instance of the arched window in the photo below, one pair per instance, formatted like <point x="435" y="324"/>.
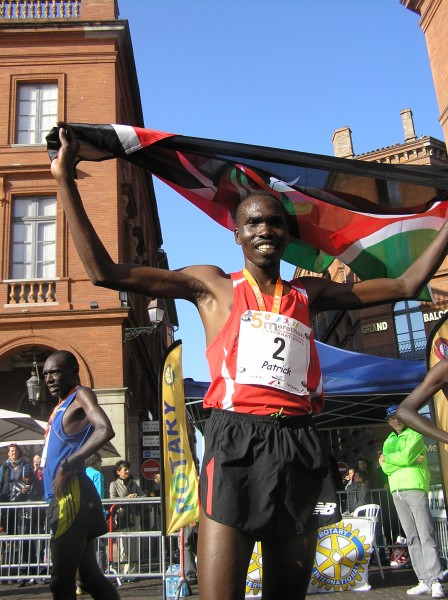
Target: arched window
<point x="410" y="329"/>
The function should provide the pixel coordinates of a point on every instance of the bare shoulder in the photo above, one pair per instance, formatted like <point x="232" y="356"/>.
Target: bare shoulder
<point x="306" y="282"/>
<point x="83" y="410"/>
<point x="86" y="394"/>
<point x="85" y="402"/>
<point x="210" y="280"/>
<point x="312" y="284"/>
<point x="204" y="272"/>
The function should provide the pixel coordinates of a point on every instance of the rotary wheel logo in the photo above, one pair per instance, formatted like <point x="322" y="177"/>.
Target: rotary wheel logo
<point x="169" y="375"/>
<point x="341" y="556"/>
<point x="441" y="348"/>
<point x="253" y="579"/>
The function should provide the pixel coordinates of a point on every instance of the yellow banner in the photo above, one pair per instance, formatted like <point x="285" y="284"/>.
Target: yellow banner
<point x="437" y="348"/>
<point x="180" y="477"/>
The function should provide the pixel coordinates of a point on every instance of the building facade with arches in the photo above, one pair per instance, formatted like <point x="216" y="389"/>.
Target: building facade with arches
<point x="72" y="60"/>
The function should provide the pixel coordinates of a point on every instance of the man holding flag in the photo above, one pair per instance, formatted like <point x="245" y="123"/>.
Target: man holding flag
<point x="263" y="466"/>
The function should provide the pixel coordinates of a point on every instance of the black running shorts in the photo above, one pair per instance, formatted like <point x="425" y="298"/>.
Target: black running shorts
<point x="89" y="522"/>
<point x="262" y="475"/>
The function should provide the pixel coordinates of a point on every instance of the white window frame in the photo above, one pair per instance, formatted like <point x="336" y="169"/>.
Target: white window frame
<point x="38" y="113"/>
<point x="35" y="221"/>
<point x="409" y="327"/>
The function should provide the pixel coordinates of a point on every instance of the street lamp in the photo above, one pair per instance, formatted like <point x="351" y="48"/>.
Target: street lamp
<point x="33" y="385"/>
<point x="156" y="313"/>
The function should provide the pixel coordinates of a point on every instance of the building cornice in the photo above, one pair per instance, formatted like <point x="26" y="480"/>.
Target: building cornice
<point x="425" y="8"/>
<point x="423" y="147"/>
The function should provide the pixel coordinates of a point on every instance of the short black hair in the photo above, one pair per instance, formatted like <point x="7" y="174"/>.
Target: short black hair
<point x="119" y="465"/>
<point x="258" y="194"/>
<point x="93" y="459"/>
<point x="68" y="357"/>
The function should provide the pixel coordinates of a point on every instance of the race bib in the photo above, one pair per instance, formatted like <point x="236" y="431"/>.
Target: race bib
<point x="43" y="459"/>
<point x="273" y="351"/>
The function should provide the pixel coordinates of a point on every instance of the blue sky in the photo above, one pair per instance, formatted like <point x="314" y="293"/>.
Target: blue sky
<point x="280" y="73"/>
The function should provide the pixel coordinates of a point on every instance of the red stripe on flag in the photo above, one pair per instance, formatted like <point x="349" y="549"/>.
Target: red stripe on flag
<point x="150" y="136"/>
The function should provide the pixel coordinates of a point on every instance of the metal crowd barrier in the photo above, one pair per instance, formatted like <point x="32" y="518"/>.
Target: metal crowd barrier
<point x="24" y="541"/>
<point x="441" y="529"/>
<point x="389" y="525"/>
<point x="133" y="547"/>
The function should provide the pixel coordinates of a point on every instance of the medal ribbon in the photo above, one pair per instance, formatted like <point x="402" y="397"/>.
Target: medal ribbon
<point x="278" y="292"/>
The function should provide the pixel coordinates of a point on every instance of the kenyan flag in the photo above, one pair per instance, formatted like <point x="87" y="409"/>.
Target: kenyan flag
<point x="376" y="218"/>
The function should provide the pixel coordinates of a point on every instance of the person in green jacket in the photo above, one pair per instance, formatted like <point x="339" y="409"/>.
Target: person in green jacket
<point x="404" y="462"/>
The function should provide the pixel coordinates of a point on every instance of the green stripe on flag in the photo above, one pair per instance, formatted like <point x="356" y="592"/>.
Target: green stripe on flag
<point x="398" y="252"/>
<point x="307" y="257"/>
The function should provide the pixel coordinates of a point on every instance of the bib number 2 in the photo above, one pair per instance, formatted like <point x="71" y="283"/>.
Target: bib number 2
<point x="273" y="351"/>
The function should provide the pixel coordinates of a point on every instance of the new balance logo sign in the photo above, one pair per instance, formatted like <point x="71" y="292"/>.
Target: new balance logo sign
<point x="327" y="508"/>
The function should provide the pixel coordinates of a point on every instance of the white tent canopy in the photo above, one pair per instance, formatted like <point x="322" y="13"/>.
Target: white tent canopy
<point x="24" y="430"/>
<point x="16" y="427"/>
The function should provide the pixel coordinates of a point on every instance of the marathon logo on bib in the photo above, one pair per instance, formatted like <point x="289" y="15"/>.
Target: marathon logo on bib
<point x="274" y="351"/>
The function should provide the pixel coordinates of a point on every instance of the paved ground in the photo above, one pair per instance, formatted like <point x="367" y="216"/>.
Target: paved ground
<point x="393" y="587"/>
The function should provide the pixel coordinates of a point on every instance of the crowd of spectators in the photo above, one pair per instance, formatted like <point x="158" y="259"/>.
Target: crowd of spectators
<point x="21" y="481"/>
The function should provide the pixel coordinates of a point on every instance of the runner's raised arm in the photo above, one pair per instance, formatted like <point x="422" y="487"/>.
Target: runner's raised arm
<point x="435" y="380"/>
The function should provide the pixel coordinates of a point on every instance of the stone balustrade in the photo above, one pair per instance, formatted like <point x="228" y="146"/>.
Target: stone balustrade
<point x="31" y="292"/>
<point x="40" y="9"/>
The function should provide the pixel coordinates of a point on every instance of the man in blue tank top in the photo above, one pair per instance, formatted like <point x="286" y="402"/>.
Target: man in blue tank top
<point x="77" y="428"/>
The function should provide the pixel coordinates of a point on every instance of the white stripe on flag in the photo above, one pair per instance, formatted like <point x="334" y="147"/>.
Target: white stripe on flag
<point x="402" y="226"/>
<point x="128" y="138"/>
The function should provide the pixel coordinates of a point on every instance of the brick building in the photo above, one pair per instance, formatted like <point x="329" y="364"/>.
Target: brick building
<point x="72" y="60"/>
<point x="434" y="25"/>
<point x="399" y="330"/>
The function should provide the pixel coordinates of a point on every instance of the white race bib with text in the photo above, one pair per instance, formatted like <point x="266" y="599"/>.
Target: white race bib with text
<point x="274" y="351"/>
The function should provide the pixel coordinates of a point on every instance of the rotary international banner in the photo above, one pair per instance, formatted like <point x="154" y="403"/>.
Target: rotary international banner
<point x="437" y="348"/>
<point x="181" y="505"/>
<point x="253" y="579"/>
<point x="341" y="563"/>
<point x="342" y="556"/>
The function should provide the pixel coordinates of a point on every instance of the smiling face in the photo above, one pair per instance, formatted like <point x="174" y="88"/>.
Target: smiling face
<point x="14" y="453"/>
<point x="261" y="230"/>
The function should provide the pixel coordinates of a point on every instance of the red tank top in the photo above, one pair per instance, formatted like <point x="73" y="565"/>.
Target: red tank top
<point x="224" y="393"/>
